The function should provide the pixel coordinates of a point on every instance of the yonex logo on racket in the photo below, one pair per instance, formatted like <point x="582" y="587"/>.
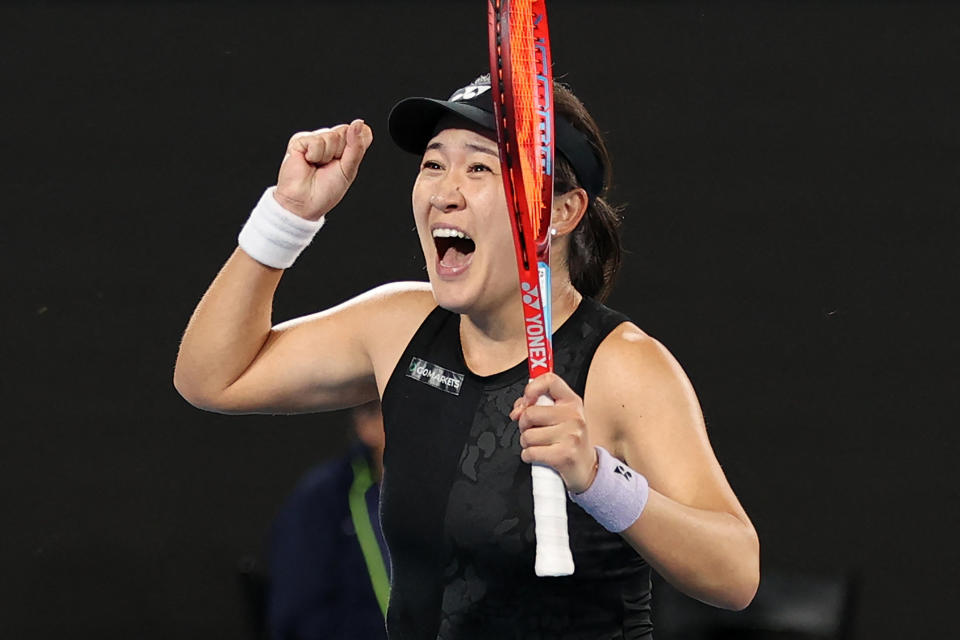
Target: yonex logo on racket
<point x="530" y="295"/>
<point x="536" y="341"/>
<point x="534" y="327"/>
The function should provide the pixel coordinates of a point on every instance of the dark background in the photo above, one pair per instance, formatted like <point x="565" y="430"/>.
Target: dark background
<point x="791" y="171"/>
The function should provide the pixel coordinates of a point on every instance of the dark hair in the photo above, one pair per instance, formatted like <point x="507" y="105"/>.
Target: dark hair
<point x="595" y="249"/>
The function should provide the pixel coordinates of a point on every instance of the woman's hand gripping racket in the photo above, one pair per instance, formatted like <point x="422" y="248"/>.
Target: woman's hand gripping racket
<point x="522" y="84"/>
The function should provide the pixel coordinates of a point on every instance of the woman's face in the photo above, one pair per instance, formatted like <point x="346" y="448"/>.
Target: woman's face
<point x="461" y="215"/>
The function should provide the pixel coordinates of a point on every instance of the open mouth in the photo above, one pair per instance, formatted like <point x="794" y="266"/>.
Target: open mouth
<point x="454" y="247"/>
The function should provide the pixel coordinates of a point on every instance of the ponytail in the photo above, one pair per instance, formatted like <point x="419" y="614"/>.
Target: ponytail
<point x="595" y="250"/>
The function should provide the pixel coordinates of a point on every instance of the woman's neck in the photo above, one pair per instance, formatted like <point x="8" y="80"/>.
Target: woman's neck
<point x="494" y="342"/>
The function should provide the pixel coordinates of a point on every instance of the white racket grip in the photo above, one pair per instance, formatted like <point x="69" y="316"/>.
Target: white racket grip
<point x="550" y="519"/>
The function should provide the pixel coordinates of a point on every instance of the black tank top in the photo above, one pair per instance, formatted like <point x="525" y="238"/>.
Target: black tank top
<point x="457" y="509"/>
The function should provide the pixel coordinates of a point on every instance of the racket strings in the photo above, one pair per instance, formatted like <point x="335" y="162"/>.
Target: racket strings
<point x="526" y="107"/>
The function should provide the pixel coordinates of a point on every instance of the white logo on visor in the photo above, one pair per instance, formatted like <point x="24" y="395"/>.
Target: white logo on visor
<point x="469" y="93"/>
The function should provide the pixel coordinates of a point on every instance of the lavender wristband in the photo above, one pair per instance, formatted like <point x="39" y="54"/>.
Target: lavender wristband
<point x="274" y="236"/>
<point x="617" y="496"/>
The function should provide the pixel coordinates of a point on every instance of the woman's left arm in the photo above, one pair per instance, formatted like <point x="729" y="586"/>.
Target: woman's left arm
<point x="642" y="408"/>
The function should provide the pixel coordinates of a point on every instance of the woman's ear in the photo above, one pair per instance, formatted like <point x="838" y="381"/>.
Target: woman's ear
<point x="568" y="210"/>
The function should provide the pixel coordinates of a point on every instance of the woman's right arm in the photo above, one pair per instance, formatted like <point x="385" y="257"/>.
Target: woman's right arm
<point x="232" y="360"/>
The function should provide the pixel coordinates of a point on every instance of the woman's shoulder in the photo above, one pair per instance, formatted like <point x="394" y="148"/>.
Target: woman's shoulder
<point x="383" y="305"/>
<point x="388" y="303"/>
<point x="399" y="294"/>
<point x="639" y="388"/>
<point x="391" y="315"/>
<point x="628" y="349"/>
<point x="395" y="307"/>
<point x="632" y="367"/>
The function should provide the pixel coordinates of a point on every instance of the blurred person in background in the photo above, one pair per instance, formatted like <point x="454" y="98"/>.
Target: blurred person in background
<point x="328" y="563"/>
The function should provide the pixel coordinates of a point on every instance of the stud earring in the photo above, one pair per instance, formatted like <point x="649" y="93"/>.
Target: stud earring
<point x="553" y="231"/>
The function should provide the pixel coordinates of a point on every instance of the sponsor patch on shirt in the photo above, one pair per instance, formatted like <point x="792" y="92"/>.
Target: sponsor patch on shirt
<point x="435" y="376"/>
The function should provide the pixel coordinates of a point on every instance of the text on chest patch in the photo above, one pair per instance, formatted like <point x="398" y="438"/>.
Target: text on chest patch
<point x="435" y="376"/>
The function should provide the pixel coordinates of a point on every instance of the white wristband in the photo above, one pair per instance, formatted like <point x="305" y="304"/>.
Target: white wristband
<point x="274" y="236"/>
<point x="617" y="496"/>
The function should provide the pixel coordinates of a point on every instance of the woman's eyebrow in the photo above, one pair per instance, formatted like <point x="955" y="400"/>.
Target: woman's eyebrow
<point x="469" y="145"/>
<point x="483" y="149"/>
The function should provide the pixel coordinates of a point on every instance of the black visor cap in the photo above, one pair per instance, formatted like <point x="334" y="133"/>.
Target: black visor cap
<point x="413" y="123"/>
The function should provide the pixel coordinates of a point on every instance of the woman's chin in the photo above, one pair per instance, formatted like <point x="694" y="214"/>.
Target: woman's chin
<point x="452" y="297"/>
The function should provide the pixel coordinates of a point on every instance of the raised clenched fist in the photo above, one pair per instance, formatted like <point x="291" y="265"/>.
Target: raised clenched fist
<point x="320" y="166"/>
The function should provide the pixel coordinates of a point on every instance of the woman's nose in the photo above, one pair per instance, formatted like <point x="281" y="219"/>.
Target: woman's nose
<point x="448" y="198"/>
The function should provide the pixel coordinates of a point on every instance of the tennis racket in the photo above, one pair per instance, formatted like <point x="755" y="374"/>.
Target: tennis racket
<point x="522" y="83"/>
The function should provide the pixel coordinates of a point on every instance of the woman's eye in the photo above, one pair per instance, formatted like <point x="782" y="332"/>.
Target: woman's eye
<point x="431" y="165"/>
<point x="479" y="167"/>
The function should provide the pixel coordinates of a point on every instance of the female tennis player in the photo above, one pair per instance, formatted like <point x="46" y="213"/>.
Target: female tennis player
<point x="448" y="360"/>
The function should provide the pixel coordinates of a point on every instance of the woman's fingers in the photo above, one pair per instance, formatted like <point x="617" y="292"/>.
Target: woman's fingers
<point x="320" y="166"/>
<point x="555" y="435"/>
<point x="552" y="385"/>
<point x="357" y="139"/>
